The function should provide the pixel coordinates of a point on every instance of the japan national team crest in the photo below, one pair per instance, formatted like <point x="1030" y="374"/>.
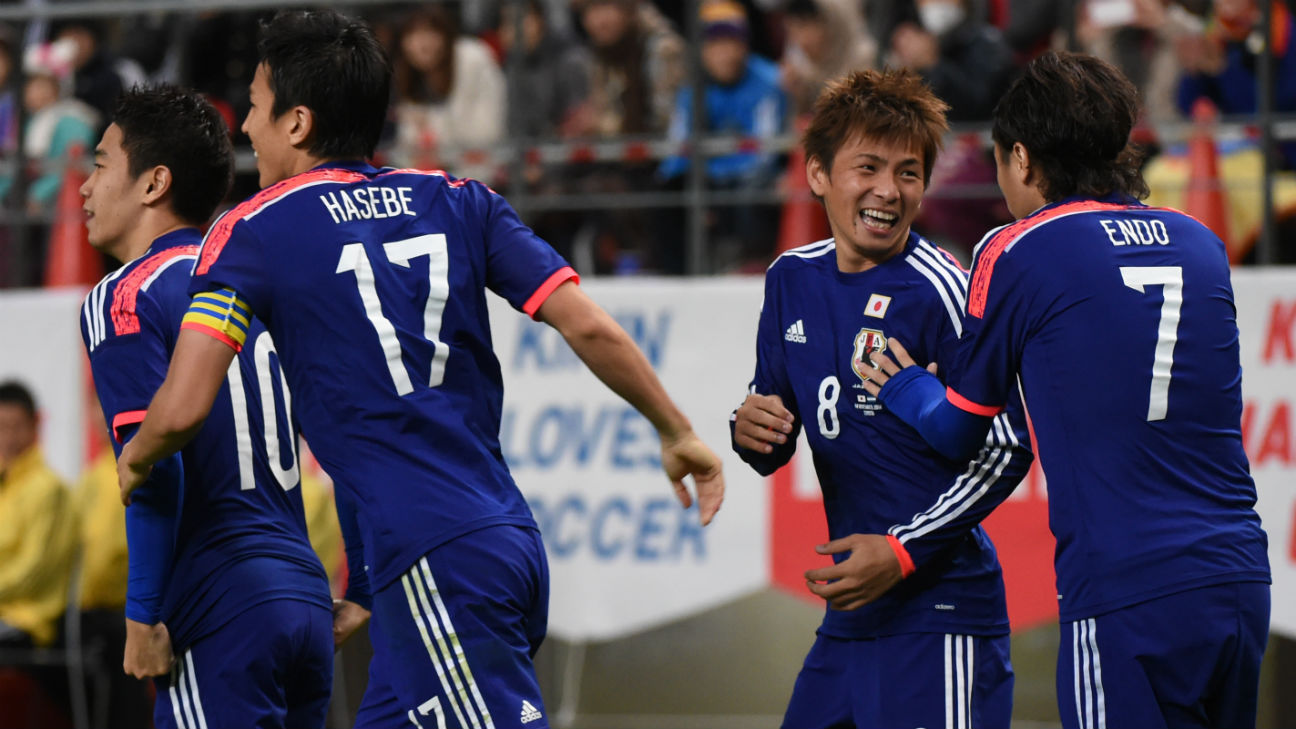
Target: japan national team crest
<point x="867" y="342"/>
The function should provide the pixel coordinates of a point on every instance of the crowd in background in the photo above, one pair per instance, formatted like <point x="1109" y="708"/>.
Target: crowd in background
<point x="63" y="554"/>
<point x="470" y="78"/>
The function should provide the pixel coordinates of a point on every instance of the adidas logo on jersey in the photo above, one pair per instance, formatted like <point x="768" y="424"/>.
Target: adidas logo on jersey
<point x="796" y="333"/>
<point x="529" y="712"/>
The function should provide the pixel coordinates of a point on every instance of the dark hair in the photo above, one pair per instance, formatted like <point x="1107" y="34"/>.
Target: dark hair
<point x="413" y="84"/>
<point x="164" y="125"/>
<point x="13" y="392"/>
<point x="892" y="106"/>
<point x="804" y="10"/>
<point x="332" y="65"/>
<point x="1073" y="113"/>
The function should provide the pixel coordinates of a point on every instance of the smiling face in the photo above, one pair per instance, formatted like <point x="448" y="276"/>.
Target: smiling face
<point x="113" y="199"/>
<point x="872" y="194"/>
<point x="270" y="138"/>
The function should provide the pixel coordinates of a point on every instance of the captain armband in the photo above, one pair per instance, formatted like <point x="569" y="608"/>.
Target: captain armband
<point x="220" y="314"/>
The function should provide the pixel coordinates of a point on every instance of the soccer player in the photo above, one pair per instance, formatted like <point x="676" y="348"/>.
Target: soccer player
<point x="373" y="283"/>
<point x="934" y="651"/>
<point x="1118" y="321"/>
<point x="221" y="569"/>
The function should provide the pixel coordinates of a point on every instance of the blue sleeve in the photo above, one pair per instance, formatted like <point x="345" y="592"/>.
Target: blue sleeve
<point x="1006" y="301"/>
<point x="917" y="397"/>
<point x="358" y="589"/>
<point x="127" y="371"/>
<point x="151" y="522"/>
<point x="520" y="266"/>
<point x="233" y="257"/>
<point x="771" y="379"/>
<point x="990" y="477"/>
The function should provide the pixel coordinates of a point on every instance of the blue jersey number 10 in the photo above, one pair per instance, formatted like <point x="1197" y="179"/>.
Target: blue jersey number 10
<point x="262" y="348"/>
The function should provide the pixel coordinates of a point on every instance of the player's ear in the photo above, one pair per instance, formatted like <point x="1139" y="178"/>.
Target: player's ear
<point x="303" y="125"/>
<point x="159" y="183"/>
<point x="1020" y="164"/>
<point x="817" y="175"/>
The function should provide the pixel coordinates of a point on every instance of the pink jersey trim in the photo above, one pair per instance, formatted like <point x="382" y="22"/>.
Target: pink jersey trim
<point x="983" y="268"/>
<point x="906" y="562"/>
<point x="121" y="420"/>
<point x="967" y="406"/>
<point x="214" y="334"/>
<point x="220" y="233"/>
<point x="547" y="288"/>
<point x="125" y="320"/>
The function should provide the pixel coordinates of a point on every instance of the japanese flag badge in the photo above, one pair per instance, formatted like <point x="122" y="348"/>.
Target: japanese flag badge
<point x="877" y="306"/>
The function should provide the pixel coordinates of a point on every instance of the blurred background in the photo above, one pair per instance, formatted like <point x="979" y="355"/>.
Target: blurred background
<point x="655" y="144"/>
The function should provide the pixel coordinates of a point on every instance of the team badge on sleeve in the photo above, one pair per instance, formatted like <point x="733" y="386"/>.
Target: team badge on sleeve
<point x="867" y="342"/>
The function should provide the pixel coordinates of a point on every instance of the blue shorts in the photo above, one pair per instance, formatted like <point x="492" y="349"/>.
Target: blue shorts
<point x="1191" y="659"/>
<point x="920" y="679"/>
<point x="270" y="667"/>
<point x="454" y="637"/>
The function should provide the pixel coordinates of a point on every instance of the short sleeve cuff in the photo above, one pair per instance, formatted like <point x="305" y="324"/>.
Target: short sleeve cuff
<point x="547" y="288"/>
<point x="967" y="406"/>
<point x="125" y="420"/>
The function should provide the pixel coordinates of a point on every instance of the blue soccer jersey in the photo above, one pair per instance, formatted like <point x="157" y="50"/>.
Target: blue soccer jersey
<point x="372" y="283"/>
<point x="240" y="536"/>
<point x="1119" y="319"/>
<point x="817" y="328"/>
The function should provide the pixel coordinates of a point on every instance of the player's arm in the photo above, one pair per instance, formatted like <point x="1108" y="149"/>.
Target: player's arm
<point x="917" y="397"/>
<point x="202" y="356"/>
<point x="353" y="610"/>
<point x="151" y="521"/>
<point x="763" y="430"/>
<point x="877" y="562"/>
<point x="613" y="357"/>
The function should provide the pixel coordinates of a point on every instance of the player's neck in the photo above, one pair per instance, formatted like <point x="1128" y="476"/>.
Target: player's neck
<point x="149" y="229"/>
<point x="305" y="162"/>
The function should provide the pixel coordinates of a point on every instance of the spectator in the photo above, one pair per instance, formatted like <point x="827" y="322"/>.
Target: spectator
<point x="1138" y="37"/>
<point x="38" y="528"/>
<point x="964" y="59"/>
<point x="553" y="74"/>
<point x="1031" y="27"/>
<point x="825" y="39"/>
<point x="450" y="93"/>
<point x="638" y="66"/>
<point x="57" y="122"/>
<point x="1221" y="63"/>
<point x="741" y="97"/>
<point x="98" y="74"/>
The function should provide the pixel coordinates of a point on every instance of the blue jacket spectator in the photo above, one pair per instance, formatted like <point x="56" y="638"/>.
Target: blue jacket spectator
<point x="742" y="97"/>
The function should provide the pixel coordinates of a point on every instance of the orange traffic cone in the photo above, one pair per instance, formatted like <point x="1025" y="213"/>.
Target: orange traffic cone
<point x="803" y="220"/>
<point x="71" y="261"/>
<point x="1204" y="197"/>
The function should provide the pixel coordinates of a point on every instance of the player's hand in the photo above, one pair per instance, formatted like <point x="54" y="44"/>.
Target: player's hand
<point x="148" y="650"/>
<point x="870" y="570"/>
<point x="761" y="422"/>
<point x="348" y="617"/>
<point x="130" y="476"/>
<point x="881" y="367"/>
<point x="687" y="454"/>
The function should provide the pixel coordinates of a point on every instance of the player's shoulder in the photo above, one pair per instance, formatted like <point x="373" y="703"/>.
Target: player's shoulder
<point x="1049" y="222"/>
<point x="930" y="261"/>
<point x="113" y="307"/>
<point x="815" y="255"/>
